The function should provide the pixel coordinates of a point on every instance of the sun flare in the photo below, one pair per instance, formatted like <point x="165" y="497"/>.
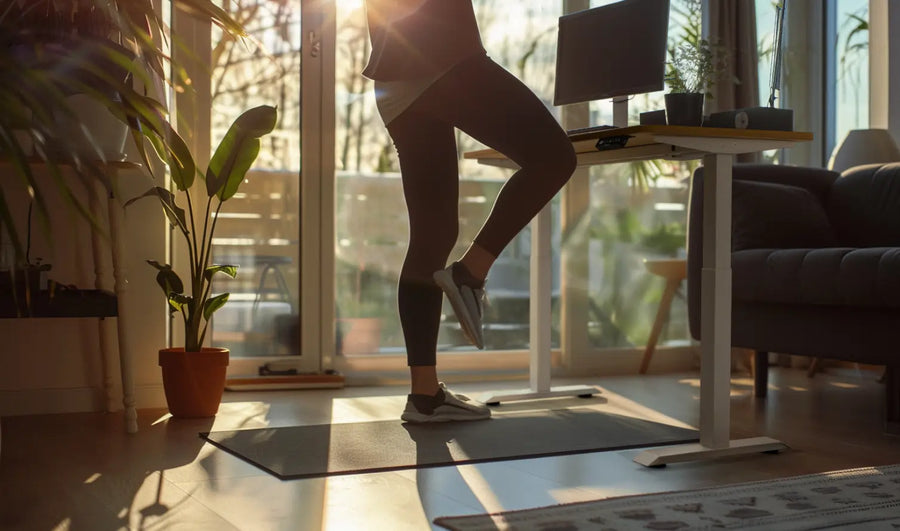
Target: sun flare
<point x="347" y="6"/>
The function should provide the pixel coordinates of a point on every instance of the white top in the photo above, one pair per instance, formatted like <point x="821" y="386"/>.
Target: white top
<point x="394" y="97"/>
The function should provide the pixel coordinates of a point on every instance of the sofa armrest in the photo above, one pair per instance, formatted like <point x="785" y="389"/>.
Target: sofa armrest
<point x="816" y="181"/>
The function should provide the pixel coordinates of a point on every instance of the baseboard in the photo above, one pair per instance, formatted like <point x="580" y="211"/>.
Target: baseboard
<point x="45" y="401"/>
<point x="73" y="400"/>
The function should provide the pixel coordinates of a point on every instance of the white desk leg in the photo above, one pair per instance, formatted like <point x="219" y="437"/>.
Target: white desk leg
<point x="121" y="288"/>
<point x="540" y="321"/>
<point x="715" y="324"/>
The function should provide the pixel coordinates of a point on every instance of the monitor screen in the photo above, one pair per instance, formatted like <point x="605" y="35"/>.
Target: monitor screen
<point x="613" y="50"/>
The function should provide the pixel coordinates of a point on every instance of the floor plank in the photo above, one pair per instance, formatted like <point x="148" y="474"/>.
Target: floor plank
<point x="79" y="471"/>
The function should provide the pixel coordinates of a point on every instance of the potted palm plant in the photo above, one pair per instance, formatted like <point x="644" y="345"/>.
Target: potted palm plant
<point x="194" y="375"/>
<point x="107" y="51"/>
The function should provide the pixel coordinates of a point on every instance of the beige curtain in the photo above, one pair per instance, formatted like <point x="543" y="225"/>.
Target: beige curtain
<point x="732" y="25"/>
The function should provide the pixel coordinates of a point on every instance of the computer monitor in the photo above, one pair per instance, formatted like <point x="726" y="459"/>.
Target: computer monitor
<point x="613" y="50"/>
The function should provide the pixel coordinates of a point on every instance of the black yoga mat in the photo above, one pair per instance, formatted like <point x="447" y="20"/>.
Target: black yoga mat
<point x="331" y="449"/>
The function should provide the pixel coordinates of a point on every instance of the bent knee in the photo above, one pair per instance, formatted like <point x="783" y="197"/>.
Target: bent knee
<point x="559" y="162"/>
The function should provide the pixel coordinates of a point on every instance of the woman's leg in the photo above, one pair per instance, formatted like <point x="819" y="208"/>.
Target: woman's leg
<point x="490" y="104"/>
<point x="426" y="148"/>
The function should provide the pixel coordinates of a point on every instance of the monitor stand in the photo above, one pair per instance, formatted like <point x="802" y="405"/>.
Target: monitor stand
<point x="620" y="111"/>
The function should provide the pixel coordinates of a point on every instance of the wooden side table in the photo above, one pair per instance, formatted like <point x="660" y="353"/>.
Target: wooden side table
<point x="674" y="271"/>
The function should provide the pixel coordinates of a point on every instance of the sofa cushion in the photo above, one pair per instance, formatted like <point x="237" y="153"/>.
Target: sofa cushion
<point x="768" y="215"/>
<point x="868" y="277"/>
<point x="863" y="206"/>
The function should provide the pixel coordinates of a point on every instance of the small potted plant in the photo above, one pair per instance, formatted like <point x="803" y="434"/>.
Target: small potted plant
<point x="194" y="375"/>
<point x="693" y="69"/>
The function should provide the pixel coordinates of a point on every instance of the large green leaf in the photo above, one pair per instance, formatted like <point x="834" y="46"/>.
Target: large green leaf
<point x="165" y="140"/>
<point x="213" y="304"/>
<point x="238" y="150"/>
<point x="175" y="213"/>
<point x="203" y="9"/>
<point x="169" y="281"/>
<point x="230" y="270"/>
<point x="178" y="301"/>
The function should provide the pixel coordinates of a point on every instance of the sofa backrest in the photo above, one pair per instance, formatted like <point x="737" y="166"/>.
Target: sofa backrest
<point x="864" y="206"/>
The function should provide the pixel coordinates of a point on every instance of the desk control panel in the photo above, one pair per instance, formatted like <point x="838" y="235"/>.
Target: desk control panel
<point x="612" y="142"/>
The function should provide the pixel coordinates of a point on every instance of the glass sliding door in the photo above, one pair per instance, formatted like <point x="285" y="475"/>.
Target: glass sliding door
<point x="633" y="212"/>
<point x="371" y="231"/>
<point x="850" y="95"/>
<point x="259" y="228"/>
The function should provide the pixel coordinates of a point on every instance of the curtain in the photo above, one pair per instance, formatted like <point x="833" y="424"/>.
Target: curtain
<point x="732" y="26"/>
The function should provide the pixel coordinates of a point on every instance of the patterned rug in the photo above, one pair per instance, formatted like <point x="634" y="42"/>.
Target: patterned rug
<point x="857" y="499"/>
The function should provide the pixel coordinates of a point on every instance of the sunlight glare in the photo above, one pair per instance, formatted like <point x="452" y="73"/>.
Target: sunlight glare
<point x="94" y="477"/>
<point x="348" y="6"/>
<point x="629" y="408"/>
<point x="583" y="494"/>
<point x="161" y="419"/>
<point x="844" y="385"/>
<point x="480" y="488"/>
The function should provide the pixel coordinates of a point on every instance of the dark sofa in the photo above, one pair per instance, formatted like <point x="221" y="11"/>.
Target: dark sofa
<point x="815" y="266"/>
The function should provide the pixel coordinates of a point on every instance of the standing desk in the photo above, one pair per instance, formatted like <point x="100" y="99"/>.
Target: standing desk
<point x="717" y="148"/>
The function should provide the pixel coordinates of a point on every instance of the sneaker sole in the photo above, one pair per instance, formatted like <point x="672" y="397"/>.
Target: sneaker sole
<point x="421" y="418"/>
<point x="444" y="280"/>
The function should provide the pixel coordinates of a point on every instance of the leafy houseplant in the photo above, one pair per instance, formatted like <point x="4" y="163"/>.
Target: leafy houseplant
<point x="108" y="51"/>
<point x="693" y="69"/>
<point x="194" y="301"/>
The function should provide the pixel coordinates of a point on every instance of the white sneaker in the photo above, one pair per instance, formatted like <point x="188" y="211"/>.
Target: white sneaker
<point x="453" y="407"/>
<point x="468" y="305"/>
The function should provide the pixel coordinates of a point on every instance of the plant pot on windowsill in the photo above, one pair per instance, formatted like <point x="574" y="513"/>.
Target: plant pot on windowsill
<point x="684" y="108"/>
<point x="193" y="381"/>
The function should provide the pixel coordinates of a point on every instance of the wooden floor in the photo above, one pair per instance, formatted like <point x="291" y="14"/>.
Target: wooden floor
<point x="80" y="471"/>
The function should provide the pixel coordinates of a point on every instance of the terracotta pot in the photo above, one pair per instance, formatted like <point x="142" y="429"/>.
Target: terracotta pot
<point x="193" y="381"/>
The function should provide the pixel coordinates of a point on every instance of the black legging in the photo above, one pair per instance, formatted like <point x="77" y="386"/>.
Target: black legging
<point x="491" y="105"/>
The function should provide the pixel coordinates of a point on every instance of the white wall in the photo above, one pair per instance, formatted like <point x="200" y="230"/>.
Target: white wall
<point x="54" y="365"/>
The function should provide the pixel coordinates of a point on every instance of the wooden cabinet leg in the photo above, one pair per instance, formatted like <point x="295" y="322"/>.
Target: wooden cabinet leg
<point x="662" y="314"/>
<point x="813" y="367"/>
<point x="120" y="276"/>
<point x="760" y="373"/>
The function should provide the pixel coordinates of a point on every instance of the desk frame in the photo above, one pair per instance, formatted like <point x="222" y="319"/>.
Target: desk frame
<point x="717" y="148"/>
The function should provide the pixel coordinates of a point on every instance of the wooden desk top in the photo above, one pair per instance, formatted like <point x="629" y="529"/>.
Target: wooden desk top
<point x="685" y="130"/>
<point x="655" y="135"/>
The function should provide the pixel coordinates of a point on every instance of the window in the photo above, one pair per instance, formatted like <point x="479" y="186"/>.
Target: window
<point x="848" y="30"/>
<point x="258" y="229"/>
<point x="637" y="212"/>
<point x="370" y="215"/>
<point x="605" y="225"/>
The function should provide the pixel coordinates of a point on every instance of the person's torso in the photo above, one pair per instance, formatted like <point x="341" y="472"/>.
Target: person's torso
<point x="418" y="38"/>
